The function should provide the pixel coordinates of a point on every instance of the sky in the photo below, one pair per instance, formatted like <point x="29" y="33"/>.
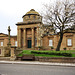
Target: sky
<point x="11" y="12"/>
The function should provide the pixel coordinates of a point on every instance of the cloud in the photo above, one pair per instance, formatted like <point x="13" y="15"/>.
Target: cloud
<point x="13" y="6"/>
<point x="11" y="12"/>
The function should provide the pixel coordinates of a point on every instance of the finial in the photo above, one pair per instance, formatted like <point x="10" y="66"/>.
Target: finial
<point x="32" y="10"/>
<point x="9" y="28"/>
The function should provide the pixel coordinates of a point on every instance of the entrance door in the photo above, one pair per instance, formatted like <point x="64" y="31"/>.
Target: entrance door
<point x="29" y="43"/>
<point x="0" y="51"/>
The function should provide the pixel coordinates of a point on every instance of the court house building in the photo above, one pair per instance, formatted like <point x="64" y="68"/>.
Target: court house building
<point x="29" y="35"/>
<point x="28" y="30"/>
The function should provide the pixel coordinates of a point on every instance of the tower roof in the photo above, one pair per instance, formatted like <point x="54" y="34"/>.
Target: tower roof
<point x="32" y="12"/>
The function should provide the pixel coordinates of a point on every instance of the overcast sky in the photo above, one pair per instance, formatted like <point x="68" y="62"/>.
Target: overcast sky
<point x="11" y="12"/>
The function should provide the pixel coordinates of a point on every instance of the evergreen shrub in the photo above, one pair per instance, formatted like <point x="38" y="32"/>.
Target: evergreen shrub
<point x="52" y="53"/>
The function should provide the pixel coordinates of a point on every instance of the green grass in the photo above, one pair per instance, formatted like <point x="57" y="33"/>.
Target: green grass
<point x="45" y="55"/>
<point x="25" y="52"/>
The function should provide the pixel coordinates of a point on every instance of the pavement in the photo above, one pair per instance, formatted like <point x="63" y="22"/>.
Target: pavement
<point x="37" y="63"/>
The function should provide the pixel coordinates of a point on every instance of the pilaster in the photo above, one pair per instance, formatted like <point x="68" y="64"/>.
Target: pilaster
<point x="37" y="36"/>
<point x="20" y="38"/>
<point x="17" y="36"/>
<point x="33" y="37"/>
<point x="25" y="37"/>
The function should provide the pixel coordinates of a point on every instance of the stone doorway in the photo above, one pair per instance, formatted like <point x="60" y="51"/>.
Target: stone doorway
<point x="29" y="43"/>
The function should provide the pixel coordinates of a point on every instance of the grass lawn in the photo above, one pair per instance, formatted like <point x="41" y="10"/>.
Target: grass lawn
<point x="47" y="55"/>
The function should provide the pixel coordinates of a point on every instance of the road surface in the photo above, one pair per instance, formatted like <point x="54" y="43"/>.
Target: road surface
<point x="21" y="69"/>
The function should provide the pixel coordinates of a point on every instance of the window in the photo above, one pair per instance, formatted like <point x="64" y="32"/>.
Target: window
<point x="50" y="42"/>
<point x="69" y="42"/>
<point x="15" y="43"/>
<point x="35" y="42"/>
<point x="34" y="17"/>
<point x="29" y="16"/>
<point x="1" y="43"/>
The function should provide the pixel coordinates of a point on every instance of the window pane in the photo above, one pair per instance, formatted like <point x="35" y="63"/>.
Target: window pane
<point x="35" y="42"/>
<point x="69" y="42"/>
<point x="50" y="42"/>
<point x="1" y="43"/>
<point x="15" y="43"/>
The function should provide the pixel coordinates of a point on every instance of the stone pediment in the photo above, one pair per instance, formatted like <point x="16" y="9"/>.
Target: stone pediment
<point x="2" y="34"/>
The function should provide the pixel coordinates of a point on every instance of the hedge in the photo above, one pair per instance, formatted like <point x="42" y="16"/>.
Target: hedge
<point x="52" y="53"/>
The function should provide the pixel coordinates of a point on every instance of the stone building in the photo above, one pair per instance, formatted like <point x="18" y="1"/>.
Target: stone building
<point x="31" y="35"/>
<point x="28" y="30"/>
<point x="4" y="42"/>
<point x="68" y="41"/>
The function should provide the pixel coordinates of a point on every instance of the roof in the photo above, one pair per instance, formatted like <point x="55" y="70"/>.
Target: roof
<point x="32" y="12"/>
<point x="3" y="35"/>
<point x="27" y="23"/>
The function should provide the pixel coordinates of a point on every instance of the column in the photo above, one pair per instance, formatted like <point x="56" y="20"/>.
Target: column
<point x="24" y="37"/>
<point x="37" y="36"/>
<point x="20" y="38"/>
<point x="17" y="37"/>
<point x="33" y="37"/>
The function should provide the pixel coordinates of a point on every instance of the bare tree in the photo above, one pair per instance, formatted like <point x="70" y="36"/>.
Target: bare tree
<point x="61" y="16"/>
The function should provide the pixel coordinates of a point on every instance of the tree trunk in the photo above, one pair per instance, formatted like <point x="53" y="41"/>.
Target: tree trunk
<point x="59" y="43"/>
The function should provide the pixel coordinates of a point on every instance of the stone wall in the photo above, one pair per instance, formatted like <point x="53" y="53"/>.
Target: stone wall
<point x="18" y="51"/>
<point x="4" y="39"/>
<point x="56" y="59"/>
<point x="52" y="59"/>
<point x="1" y="52"/>
<point x="55" y="39"/>
<point x="4" y="58"/>
<point x="5" y="52"/>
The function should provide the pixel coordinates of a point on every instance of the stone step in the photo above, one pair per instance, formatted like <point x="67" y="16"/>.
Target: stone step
<point x="29" y="49"/>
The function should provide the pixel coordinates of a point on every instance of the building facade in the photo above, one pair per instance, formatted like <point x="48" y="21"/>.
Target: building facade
<point x="4" y="43"/>
<point x="68" y="41"/>
<point x="30" y="35"/>
<point x="28" y="30"/>
<point x="4" y="40"/>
